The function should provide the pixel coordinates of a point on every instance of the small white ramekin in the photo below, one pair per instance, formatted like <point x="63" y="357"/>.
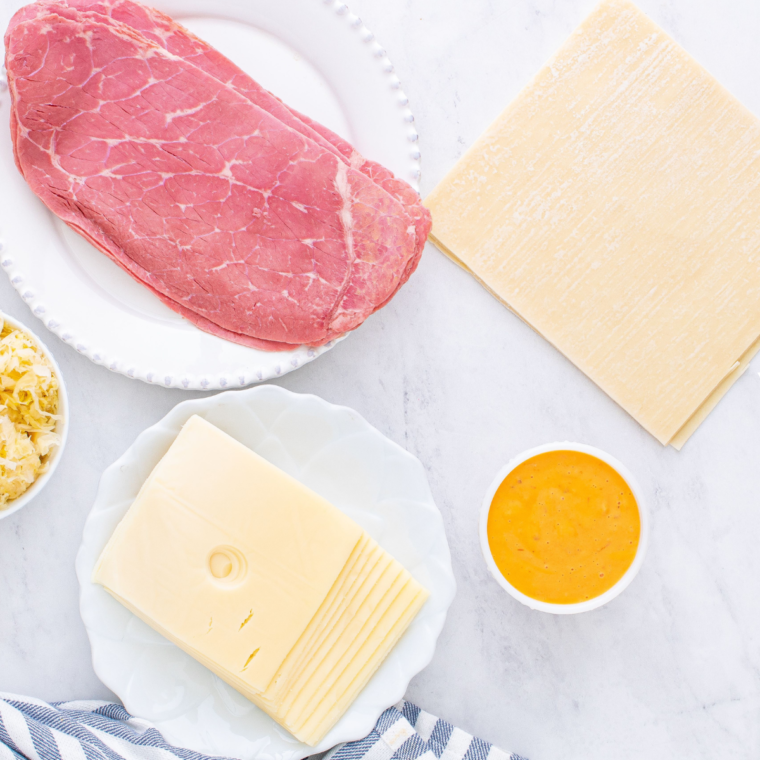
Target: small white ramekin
<point x="598" y="601"/>
<point x="62" y="426"/>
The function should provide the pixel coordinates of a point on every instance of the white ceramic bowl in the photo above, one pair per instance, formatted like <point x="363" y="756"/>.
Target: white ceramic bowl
<point x="62" y="428"/>
<point x="598" y="601"/>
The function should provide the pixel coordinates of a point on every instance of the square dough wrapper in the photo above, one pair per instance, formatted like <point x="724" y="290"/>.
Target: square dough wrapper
<point x="615" y="207"/>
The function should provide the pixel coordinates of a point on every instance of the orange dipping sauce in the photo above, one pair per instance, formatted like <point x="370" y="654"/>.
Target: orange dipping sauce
<point x="563" y="527"/>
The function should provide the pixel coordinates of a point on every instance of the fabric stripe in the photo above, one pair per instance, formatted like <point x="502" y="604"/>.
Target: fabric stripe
<point x="6" y="753"/>
<point x="6" y="739"/>
<point x="26" y="700"/>
<point x="399" y="733"/>
<point x="478" y="750"/>
<point x="354" y="750"/>
<point x="425" y="725"/>
<point x="410" y="712"/>
<point x="379" y="751"/>
<point x="457" y="746"/>
<point x="84" y="705"/>
<point x="74" y="724"/>
<point x="131" y="751"/>
<point x="18" y="729"/>
<point x="68" y="747"/>
<point x="99" y="727"/>
<point x="387" y="719"/>
<point x="439" y="737"/>
<point x="94" y="749"/>
<point x="31" y="729"/>
<point x="412" y="748"/>
<point x="43" y="740"/>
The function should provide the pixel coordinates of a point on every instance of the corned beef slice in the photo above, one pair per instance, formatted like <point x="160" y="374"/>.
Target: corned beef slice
<point x="245" y="219"/>
<point x="176" y="39"/>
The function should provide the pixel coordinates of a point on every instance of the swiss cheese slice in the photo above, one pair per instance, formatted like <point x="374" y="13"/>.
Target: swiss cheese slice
<point x="326" y="617"/>
<point x="353" y="679"/>
<point x="262" y="581"/>
<point x="211" y="497"/>
<point x="368" y="588"/>
<point x="614" y="207"/>
<point x="341" y="647"/>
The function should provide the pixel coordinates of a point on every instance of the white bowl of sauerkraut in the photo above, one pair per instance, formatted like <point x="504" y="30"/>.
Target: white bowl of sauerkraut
<point x="33" y="415"/>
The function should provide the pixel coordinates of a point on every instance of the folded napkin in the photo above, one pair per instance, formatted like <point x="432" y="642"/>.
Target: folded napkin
<point x="95" y="730"/>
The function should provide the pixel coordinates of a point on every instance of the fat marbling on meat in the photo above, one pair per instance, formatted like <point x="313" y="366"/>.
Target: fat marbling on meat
<point x="242" y="215"/>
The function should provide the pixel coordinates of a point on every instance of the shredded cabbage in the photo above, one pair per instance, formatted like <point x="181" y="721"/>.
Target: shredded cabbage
<point x="28" y="412"/>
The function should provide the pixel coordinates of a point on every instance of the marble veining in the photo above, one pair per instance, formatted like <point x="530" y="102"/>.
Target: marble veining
<point x="671" y="669"/>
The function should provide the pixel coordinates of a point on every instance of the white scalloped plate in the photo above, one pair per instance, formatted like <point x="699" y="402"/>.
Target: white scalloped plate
<point x="339" y="455"/>
<point x="315" y="55"/>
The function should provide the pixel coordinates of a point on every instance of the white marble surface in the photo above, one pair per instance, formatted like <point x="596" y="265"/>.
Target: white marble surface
<point x="671" y="669"/>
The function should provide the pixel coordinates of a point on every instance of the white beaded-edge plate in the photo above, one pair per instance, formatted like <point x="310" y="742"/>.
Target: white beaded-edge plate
<point x="315" y="55"/>
<point x="336" y="453"/>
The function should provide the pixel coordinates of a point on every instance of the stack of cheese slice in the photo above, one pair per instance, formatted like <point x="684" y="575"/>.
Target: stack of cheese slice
<point x="260" y="579"/>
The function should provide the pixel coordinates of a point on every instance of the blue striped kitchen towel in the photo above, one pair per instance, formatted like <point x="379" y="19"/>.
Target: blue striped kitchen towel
<point x="92" y="730"/>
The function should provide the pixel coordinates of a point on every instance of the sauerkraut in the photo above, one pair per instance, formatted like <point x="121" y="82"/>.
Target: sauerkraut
<point x="28" y="412"/>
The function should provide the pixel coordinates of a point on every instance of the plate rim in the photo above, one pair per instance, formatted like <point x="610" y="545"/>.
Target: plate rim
<point x="435" y="623"/>
<point x="242" y="376"/>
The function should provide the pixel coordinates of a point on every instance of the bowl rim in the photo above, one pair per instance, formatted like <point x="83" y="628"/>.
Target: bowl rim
<point x="630" y="573"/>
<point x="62" y="427"/>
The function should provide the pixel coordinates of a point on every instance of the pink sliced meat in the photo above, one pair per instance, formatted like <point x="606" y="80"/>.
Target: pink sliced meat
<point x="166" y="32"/>
<point x="235" y="210"/>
